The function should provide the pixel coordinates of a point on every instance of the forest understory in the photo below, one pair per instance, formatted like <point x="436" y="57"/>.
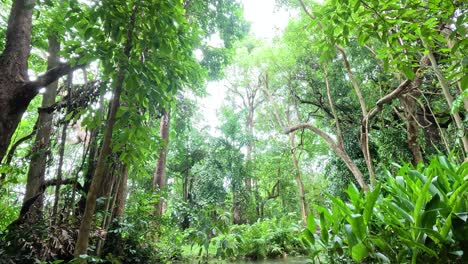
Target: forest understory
<point x="233" y="131"/>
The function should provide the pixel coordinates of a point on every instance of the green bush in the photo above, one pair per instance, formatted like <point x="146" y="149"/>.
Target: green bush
<point x="264" y="239"/>
<point x="417" y="216"/>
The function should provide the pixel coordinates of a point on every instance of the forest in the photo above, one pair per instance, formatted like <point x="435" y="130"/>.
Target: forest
<point x="173" y="131"/>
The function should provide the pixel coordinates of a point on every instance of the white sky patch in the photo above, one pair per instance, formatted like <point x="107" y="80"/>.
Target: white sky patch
<point x="215" y="41"/>
<point x="211" y="104"/>
<point x="198" y="54"/>
<point x="267" y="21"/>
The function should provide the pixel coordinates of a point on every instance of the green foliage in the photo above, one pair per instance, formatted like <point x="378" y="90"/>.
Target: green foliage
<point x="418" y="215"/>
<point x="268" y="238"/>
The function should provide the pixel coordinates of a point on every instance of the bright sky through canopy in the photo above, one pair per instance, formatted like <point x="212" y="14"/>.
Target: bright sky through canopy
<point x="267" y="21"/>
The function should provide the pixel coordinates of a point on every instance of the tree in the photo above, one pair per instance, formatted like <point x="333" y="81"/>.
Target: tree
<point x="17" y="90"/>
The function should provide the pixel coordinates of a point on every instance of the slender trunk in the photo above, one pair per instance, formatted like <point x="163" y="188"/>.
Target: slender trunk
<point x="121" y="196"/>
<point x="118" y="212"/>
<point x="410" y="106"/>
<point x="337" y="147"/>
<point x="108" y="211"/>
<point x="71" y="202"/>
<point x="85" y="227"/>
<point x="450" y="43"/>
<point x="91" y="167"/>
<point x="60" y="169"/>
<point x="249" y="148"/>
<point x="365" y="132"/>
<point x="448" y="97"/>
<point x="62" y="151"/>
<point x="37" y="166"/>
<point x="297" y="172"/>
<point x="159" y="178"/>
<point x="236" y="211"/>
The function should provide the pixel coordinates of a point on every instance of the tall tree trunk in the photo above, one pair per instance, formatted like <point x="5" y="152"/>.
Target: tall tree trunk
<point x="159" y="177"/>
<point x="410" y="105"/>
<point x="297" y="172"/>
<point x="365" y="132"/>
<point x="118" y="212"/>
<point x="249" y="148"/>
<point x="91" y="167"/>
<point x="63" y="139"/>
<point x="41" y="146"/>
<point x="16" y="91"/>
<point x="14" y="69"/>
<point x="336" y="146"/>
<point x="85" y="227"/>
<point x="236" y="210"/>
<point x="109" y="208"/>
<point x="121" y="195"/>
<point x="448" y="97"/>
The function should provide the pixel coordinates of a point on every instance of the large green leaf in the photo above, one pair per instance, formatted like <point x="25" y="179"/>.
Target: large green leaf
<point x="357" y="223"/>
<point x="371" y="198"/>
<point x="359" y="252"/>
<point x="311" y="223"/>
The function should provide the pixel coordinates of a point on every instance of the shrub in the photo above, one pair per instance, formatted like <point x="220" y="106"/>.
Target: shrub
<point x="417" y="216"/>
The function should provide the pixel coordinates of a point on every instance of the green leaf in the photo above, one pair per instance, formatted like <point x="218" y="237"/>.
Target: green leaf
<point x="371" y="198"/>
<point x="382" y="257"/>
<point x="408" y="71"/>
<point x="420" y="204"/>
<point x="323" y="227"/>
<point x="309" y="236"/>
<point x="359" y="252"/>
<point x="458" y="253"/>
<point x="311" y="223"/>
<point x="354" y="195"/>
<point x="418" y="245"/>
<point x="352" y="240"/>
<point x="357" y="223"/>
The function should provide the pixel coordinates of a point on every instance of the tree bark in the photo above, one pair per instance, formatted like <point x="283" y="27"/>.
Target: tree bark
<point x="63" y="138"/>
<point x="335" y="147"/>
<point x="37" y="165"/>
<point x="16" y="91"/>
<point x="159" y="177"/>
<point x="297" y="172"/>
<point x="121" y="196"/>
<point x="14" y="69"/>
<point x="85" y="227"/>
<point x="448" y="97"/>
<point x="249" y="147"/>
<point x="365" y="132"/>
<point x="410" y="105"/>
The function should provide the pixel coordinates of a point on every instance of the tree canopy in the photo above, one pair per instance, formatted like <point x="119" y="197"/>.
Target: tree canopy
<point x="343" y="138"/>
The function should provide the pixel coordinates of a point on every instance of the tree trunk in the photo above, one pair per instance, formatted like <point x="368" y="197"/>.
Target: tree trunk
<point x="41" y="147"/>
<point x="297" y="172"/>
<point x="159" y="178"/>
<point x="249" y="148"/>
<point x="14" y="69"/>
<point x="365" y="132"/>
<point x="410" y="105"/>
<point x="121" y="196"/>
<point x="449" y="98"/>
<point x="16" y="91"/>
<point x="109" y="208"/>
<point x="118" y="213"/>
<point x="62" y="149"/>
<point x="236" y="211"/>
<point x="85" y="227"/>
<point x="91" y="167"/>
